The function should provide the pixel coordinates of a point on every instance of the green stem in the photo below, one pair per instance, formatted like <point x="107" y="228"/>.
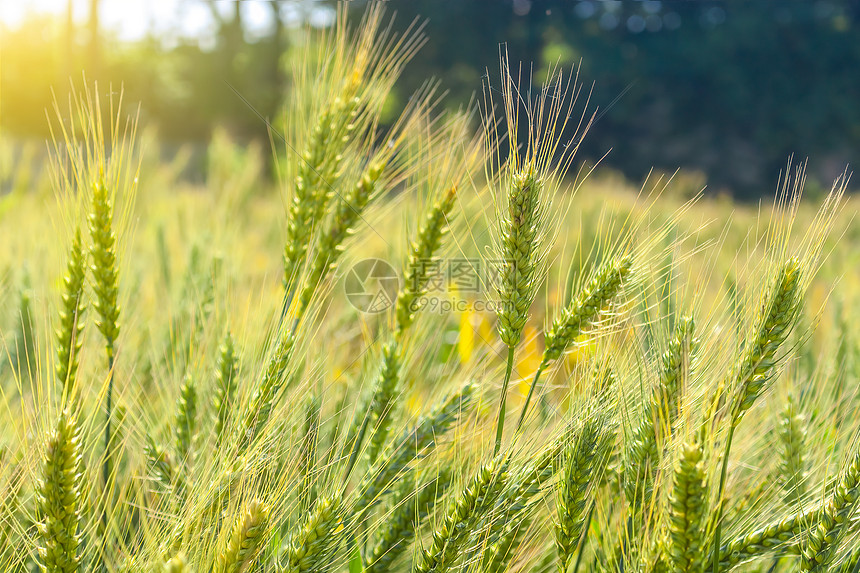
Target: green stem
<point x="723" y="474"/>
<point x="285" y="306"/>
<point x="356" y="448"/>
<point x="581" y="548"/>
<point x="534" y="384"/>
<point x="109" y="409"/>
<point x="500" y="425"/>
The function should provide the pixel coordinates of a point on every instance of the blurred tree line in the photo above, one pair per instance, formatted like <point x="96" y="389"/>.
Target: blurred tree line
<point x="729" y="87"/>
<point x="181" y="85"/>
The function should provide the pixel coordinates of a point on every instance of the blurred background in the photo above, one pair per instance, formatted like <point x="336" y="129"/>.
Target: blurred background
<point x="724" y="90"/>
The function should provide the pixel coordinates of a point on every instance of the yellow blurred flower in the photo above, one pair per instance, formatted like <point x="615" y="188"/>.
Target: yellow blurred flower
<point x="466" y="339"/>
<point x="530" y="355"/>
<point x="582" y="348"/>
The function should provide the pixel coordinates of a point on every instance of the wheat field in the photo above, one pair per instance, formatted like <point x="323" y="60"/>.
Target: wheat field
<point x="441" y="343"/>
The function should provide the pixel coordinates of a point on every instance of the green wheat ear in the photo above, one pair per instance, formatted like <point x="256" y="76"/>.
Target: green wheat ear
<point x="104" y="267"/>
<point x="71" y="324"/>
<point x="756" y="367"/>
<point x="522" y="234"/>
<point x="58" y="495"/>
<point x="264" y="397"/>
<point x="660" y="414"/>
<point x="688" y="513"/>
<point x="176" y="564"/>
<point x="225" y="384"/>
<point x="246" y="540"/>
<point x="450" y="538"/>
<point x="767" y="537"/>
<point x="382" y="402"/>
<point x="186" y="419"/>
<point x="423" y="249"/>
<point x="345" y="218"/>
<point x="313" y="544"/>
<point x="792" y="438"/>
<point x="520" y="249"/>
<point x="834" y="524"/>
<point x="586" y="306"/>
<point x="585" y="461"/>
<point x="318" y="173"/>
<point x="308" y="451"/>
<point x="777" y="319"/>
<point x="499" y="555"/>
